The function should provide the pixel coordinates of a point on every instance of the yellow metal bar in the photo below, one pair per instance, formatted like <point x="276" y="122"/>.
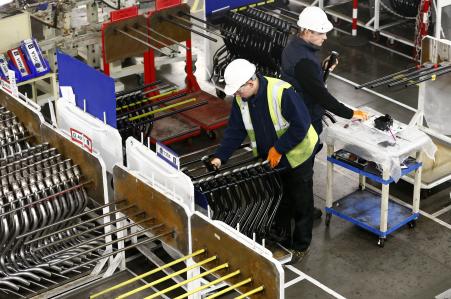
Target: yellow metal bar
<point x="147" y="273"/>
<point x="155" y="282"/>
<point x="161" y="109"/>
<point x="146" y="100"/>
<point x="252" y="292"/>
<point x="231" y="288"/>
<point x="220" y="267"/>
<point x="203" y="287"/>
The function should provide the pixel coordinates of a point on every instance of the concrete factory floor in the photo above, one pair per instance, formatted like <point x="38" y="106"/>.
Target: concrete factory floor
<point x="415" y="263"/>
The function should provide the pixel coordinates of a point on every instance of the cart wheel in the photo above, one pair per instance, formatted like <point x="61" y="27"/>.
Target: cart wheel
<point x="425" y="193"/>
<point x="328" y="217"/>
<point x="220" y="94"/>
<point x="412" y="224"/>
<point x="381" y="242"/>
<point x="211" y="134"/>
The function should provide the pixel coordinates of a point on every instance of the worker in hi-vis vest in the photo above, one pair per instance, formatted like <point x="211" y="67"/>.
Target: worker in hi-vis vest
<point x="274" y="117"/>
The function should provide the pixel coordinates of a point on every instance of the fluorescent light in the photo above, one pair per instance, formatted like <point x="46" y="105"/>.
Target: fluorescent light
<point x="3" y="2"/>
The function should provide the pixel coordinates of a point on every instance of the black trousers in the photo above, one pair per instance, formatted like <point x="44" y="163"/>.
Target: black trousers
<point x="297" y="205"/>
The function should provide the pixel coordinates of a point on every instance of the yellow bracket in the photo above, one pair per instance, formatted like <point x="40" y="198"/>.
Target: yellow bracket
<point x="252" y="292"/>
<point x="231" y="288"/>
<point x="198" y="252"/>
<point x="197" y="265"/>
<point x="223" y="266"/>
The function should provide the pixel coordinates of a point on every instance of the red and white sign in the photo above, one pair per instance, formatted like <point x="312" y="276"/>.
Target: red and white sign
<point x="80" y="138"/>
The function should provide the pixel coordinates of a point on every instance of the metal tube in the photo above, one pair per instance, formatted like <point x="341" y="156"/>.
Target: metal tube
<point x="17" y="140"/>
<point x="182" y="283"/>
<point x="46" y="198"/>
<point x="70" y="218"/>
<point x="142" y="42"/>
<point x="147" y="99"/>
<point x="282" y="9"/>
<point x="386" y="77"/>
<point x="168" y="114"/>
<point x="155" y="282"/>
<point x="189" y="29"/>
<point x="181" y="13"/>
<point x="100" y="237"/>
<point x="78" y="224"/>
<point x="100" y="246"/>
<point x="224" y="168"/>
<point x="132" y="90"/>
<point x="428" y="78"/>
<point x="139" y="277"/>
<point x="161" y="109"/>
<point x="148" y="36"/>
<point x="428" y="72"/>
<point x="150" y="104"/>
<point x="198" y="26"/>
<point x="41" y="190"/>
<point x="279" y="15"/>
<point x="396" y="79"/>
<point x="203" y="166"/>
<point x="204" y="150"/>
<point x="142" y="92"/>
<point x="231" y="288"/>
<point x="117" y="251"/>
<point x="93" y="229"/>
<point x="166" y="37"/>
<point x="211" y="283"/>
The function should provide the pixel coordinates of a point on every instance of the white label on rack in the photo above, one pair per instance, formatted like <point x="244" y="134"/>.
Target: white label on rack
<point x="168" y="155"/>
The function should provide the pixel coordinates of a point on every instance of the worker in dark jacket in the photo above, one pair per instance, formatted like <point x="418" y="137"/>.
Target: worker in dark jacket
<point x="274" y="117"/>
<point x="302" y="68"/>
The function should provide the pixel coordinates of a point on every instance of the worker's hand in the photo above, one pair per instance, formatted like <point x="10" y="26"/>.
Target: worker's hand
<point x="273" y="157"/>
<point x="216" y="162"/>
<point x="359" y="114"/>
<point x="326" y="62"/>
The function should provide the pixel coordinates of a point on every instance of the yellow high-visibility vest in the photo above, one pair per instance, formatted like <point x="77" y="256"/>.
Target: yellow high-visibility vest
<point x="301" y="152"/>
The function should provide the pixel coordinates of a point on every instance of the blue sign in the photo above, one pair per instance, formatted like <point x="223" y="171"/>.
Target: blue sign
<point x="168" y="155"/>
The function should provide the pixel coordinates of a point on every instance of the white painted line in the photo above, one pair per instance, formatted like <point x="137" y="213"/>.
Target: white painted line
<point x="292" y="282"/>
<point x="444" y="295"/>
<point x="315" y="282"/>
<point x="442" y="211"/>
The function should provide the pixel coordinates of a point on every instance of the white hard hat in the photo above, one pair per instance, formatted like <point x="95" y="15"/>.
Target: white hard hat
<point x="236" y="74"/>
<point x="315" y="19"/>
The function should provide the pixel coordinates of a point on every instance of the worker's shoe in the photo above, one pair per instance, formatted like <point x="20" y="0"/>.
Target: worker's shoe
<point x="317" y="213"/>
<point x="297" y="256"/>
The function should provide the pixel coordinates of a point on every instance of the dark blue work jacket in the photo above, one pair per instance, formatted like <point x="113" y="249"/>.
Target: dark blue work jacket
<point x="293" y="110"/>
<point x="296" y="50"/>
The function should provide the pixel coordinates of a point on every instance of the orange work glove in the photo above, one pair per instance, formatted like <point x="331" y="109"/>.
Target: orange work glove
<point x="273" y="157"/>
<point x="359" y="114"/>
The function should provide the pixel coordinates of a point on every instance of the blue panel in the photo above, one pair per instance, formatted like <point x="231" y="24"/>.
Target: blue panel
<point x="89" y="84"/>
<point x="212" y="6"/>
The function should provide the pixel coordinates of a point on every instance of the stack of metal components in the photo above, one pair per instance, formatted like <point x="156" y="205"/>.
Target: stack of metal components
<point x="136" y="111"/>
<point x="42" y="207"/>
<point x="254" y="35"/>
<point x="244" y="193"/>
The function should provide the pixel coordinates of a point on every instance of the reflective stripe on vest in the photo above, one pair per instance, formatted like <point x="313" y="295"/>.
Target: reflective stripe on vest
<point x="301" y="152"/>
